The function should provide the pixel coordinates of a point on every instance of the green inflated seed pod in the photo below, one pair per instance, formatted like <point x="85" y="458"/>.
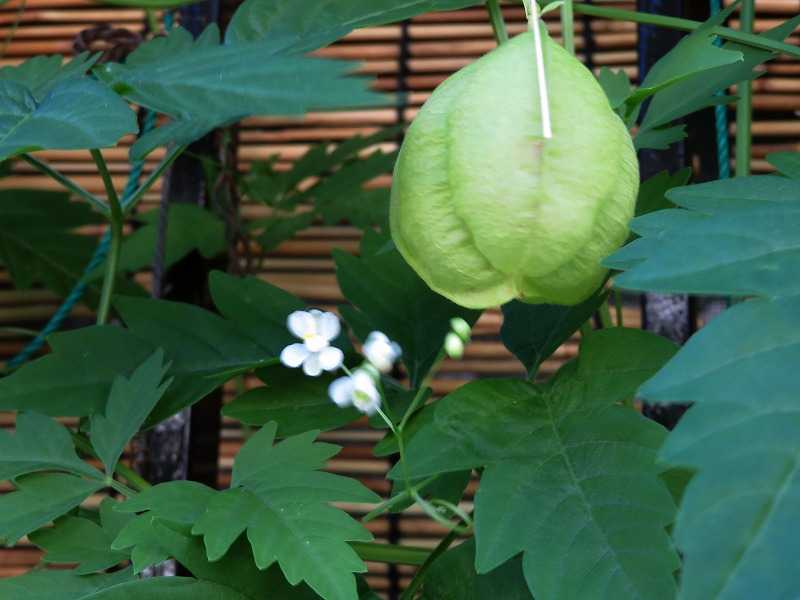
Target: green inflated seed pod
<point x="486" y="210"/>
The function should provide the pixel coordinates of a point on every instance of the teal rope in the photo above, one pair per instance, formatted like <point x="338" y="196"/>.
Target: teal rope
<point x="721" y="114"/>
<point x="100" y="253"/>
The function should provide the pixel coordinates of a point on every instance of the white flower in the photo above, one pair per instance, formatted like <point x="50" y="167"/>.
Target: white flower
<point x="381" y="351"/>
<point x="317" y="329"/>
<point x="356" y="390"/>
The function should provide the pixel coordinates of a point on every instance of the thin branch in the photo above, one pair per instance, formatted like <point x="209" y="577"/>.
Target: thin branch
<point x="67" y="183"/>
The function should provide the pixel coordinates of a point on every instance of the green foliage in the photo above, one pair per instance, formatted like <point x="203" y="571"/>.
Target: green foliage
<point x="532" y="332"/>
<point x="453" y="577"/>
<point x="787" y="163"/>
<point x="40" y="498"/>
<point x="41" y="74"/>
<point x="59" y="585"/>
<point x="653" y="192"/>
<point x="39" y="444"/>
<point x="64" y="119"/>
<point x="129" y="403"/>
<point x="266" y="85"/>
<point x="388" y="296"/>
<point x="566" y="472"/>
<point x="295" y="402"/>
<point x="326" y="183"/>
<point x="280" y="498"/>
<point x="169" y="588"/>
<point x="738" y="237"/>
<point x="83" y="541"/>
<point x="284" y="26"/>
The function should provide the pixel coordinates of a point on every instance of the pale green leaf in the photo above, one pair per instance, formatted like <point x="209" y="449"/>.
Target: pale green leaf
<point x="39" y="499"/>
<point x="129" y="403"/>
<point x="40" y="444"/>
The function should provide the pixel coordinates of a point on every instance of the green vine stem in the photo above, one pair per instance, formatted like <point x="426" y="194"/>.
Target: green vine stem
<point x="390" y="553"/>
<point x="67" y="183"/>
<point x="748" y="39"/>
<point x="568" y="26"/>
<point x="117" y="220"/>
<point x="744" y="106"/>
<point x="498" y="22"/>
<point x="166" y="163"/>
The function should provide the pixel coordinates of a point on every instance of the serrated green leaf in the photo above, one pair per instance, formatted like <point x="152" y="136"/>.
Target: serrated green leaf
<point x="59" y="585"/>
<point x="787" y="163"/>
<point x="281" y="499"/>
<point x="40" y="444"/>
<point x="201" y="346"/>
<point x="653" y="192"/>
<point x="616" y="85"/>
<point x="294" y="401"/>
<point x="40" y="498"/>
<point x="41" y="74"/>
<point x="570" y="477"/>
<point x="75" y="114"/>
<point x="129" y="403"/>
<point x="739" y="511"/>
<point x="661" y="138"/>
<point x="259" y="308"/>
<point x="452" y="577"/>
<point x="75" y="378"/>
<point x="181" y="502"/>
<point x="388" y="296"/>
<point x="738" y="237"/>
<point x="285" y="26"/>
<point x="139" y="539"/>
<point x="168" y="588"/>
<point x="532" y="332"/>
<point x="700" y="90"/>
<point x="80" y="540"/>
<point x="268" y="85"/>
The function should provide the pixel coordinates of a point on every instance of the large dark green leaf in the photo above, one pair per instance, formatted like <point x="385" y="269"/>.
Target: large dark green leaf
<point x="738" y="237"/>
<point x="168" y="588"/>
<point x="81" y="540"/>
<point x="532" y="332"/>
<point x="287" y="26"/>
<point x="453" y="577"/>
<point x="41" y="74"/>
<point x="74" y="114"/>
<point x="202" y="84"/>
<point x="37" y="239"/>
<point x="40" y="498"/>
<point x="129" y="403"/>
<point x="388" y="296"/>
<point x="294" y="401"/>
<point x="40" y="444"/>
<point x="58" y="585"/>
<point x="787" y="163"/>
<point x="570" y="477"/>
<point x="742" y="436"/>
<point x="281" y="498"/>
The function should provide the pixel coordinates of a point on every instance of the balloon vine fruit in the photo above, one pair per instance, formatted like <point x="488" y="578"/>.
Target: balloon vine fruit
<point x="485" y="210"/>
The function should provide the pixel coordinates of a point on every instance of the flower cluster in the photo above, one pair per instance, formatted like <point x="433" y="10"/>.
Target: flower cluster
<point x="315" y="354"/>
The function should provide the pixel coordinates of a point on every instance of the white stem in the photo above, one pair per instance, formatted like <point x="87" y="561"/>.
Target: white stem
<point x="544" y="99"/>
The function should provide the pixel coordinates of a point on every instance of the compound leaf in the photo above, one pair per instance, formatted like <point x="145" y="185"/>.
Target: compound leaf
<point x="59" y="585"/>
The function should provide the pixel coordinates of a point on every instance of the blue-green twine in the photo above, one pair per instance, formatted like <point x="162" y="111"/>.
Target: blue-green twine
<point x="100" y="253"/>
<point x="721" y="114"/>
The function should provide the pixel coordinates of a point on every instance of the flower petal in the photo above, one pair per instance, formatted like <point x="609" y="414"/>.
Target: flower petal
<point x="377" y="336"/>
<point x="294" y="355"/>
<point x="331" y="358"/>
<point x="312" y="366"/>
<point x="316" y="343"/>
<point x="328" y="325"/>
<point x="301" y="324"/>
<point x="341" y="391"/>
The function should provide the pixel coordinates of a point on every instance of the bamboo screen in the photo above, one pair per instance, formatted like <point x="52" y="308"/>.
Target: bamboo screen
<point x="417" y="56"/>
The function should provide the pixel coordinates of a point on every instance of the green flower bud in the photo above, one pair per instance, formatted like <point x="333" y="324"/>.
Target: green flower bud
<point x="453" y="346"/>
<point x="485" y="210"/>
<point x="461" y="328"/>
